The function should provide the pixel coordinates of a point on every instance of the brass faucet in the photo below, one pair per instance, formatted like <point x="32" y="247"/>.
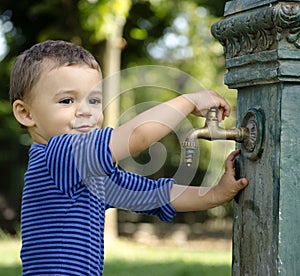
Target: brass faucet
<point x="212" y="131"/>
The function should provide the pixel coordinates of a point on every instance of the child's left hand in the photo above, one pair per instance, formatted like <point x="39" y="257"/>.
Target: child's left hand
<point x="228" y="186"/>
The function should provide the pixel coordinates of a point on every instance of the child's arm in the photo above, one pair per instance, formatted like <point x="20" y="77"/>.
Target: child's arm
<point x="155" y="123"/>
<point x="190" y="198"/>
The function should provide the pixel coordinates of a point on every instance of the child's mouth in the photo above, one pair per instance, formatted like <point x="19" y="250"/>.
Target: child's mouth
<point x="84" y="128"/>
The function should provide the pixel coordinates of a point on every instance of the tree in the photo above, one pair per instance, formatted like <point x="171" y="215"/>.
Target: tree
<point x="148" y="25"/>
<point x="185" y="42"/>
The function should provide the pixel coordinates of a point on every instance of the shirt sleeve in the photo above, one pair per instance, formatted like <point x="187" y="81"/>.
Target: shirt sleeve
<point x="140" y="194"/>
<point x="61" y="165"/>
<point x="82" y="161"/>
<point x="73" y="160"/>
<point x="132" y="191"/>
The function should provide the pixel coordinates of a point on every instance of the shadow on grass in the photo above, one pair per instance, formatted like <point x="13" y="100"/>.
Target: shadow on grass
<point x="13" y="270"/>
<point x="121" y="268"/>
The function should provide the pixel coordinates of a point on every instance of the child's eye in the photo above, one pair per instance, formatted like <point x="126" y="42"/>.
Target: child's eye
<point x="66" y="101"/>
<point x="94" y="101"/>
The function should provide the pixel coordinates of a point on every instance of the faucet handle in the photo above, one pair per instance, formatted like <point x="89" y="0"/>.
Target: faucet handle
<point x="212" y="114"/>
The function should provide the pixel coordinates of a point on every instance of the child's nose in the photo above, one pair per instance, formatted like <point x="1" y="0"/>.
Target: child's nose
<point x="83" y="110"/>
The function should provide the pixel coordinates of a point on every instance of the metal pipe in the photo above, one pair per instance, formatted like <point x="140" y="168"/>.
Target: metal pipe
<point x="211" y="131"/>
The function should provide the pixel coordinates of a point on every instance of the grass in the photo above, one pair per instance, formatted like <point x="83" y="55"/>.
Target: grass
<point x="127" y="258"/>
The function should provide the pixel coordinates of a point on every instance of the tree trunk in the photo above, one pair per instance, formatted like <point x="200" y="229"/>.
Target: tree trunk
<point x="111" y="106"/>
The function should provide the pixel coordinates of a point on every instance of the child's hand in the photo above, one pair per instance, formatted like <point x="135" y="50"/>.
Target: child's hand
<point x="206" y="99"/>
<point x="193" y="198"/>
<point x="228" y="186"/>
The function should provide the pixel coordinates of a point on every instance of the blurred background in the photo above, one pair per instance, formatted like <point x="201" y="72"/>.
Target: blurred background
<point x="122" y="34"/>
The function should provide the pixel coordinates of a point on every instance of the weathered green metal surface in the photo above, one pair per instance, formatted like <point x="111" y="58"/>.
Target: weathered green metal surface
<point x="255" y="237"/>
<point x="235" y="6"/>
<point x="261" y="41"/>
<point x="289" y="200"/>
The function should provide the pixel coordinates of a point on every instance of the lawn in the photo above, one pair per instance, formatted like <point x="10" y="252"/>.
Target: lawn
<point x="127" y="258"/>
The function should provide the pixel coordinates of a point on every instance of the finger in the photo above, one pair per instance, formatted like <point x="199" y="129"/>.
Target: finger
<point x="226" y="108"/>
<point x="221" y="114"/>
<point x="229" y="163"/>
<point x="224" y="111"/>
<point x="233" y="155"/>
<point x="241" y="184"/>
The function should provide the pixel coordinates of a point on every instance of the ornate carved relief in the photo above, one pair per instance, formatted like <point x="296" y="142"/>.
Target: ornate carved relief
<point x="257" y="31"/>
<point x="287" y="21"/>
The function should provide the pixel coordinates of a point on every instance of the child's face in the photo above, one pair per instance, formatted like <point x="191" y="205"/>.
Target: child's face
<point x="66" y="100"/>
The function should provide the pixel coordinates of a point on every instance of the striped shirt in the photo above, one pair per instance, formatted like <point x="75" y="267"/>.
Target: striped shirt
<point x="69" y="184"/>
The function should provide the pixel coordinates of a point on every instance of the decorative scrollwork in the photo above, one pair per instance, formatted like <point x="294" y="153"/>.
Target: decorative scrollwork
<point x="257" y="31"/>
<point x="287" y="21"/>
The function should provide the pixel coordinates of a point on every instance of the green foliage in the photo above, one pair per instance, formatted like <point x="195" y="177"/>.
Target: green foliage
<point x="216" y="7"/>
<point x="184" y="42"/>
<point x="102" y="17"/>
<point x="162" y="32"/>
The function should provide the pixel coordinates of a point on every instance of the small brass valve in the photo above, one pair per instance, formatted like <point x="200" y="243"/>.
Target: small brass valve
<point x="250" y="134"/>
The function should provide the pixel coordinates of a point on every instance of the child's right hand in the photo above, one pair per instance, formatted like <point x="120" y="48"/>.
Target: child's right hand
<point x="152" y="125"/>
<point x="206" y="99"/>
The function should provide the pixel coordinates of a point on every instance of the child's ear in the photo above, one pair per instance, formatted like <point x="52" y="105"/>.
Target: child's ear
<point x="22" y="113"/>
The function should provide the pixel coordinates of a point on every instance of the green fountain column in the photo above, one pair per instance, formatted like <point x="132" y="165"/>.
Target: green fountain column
<point x="261" y="42"/>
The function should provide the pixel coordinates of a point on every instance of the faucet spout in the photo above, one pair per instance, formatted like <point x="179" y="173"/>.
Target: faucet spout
<point x="214" y="132"/>
<point x="211" y="131"/>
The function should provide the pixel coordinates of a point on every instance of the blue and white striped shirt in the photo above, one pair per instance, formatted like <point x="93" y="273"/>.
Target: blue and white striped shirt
<point x="69" y="184"/>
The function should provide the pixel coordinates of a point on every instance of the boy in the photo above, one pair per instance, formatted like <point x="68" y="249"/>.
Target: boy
<point x="72" y="178"/>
